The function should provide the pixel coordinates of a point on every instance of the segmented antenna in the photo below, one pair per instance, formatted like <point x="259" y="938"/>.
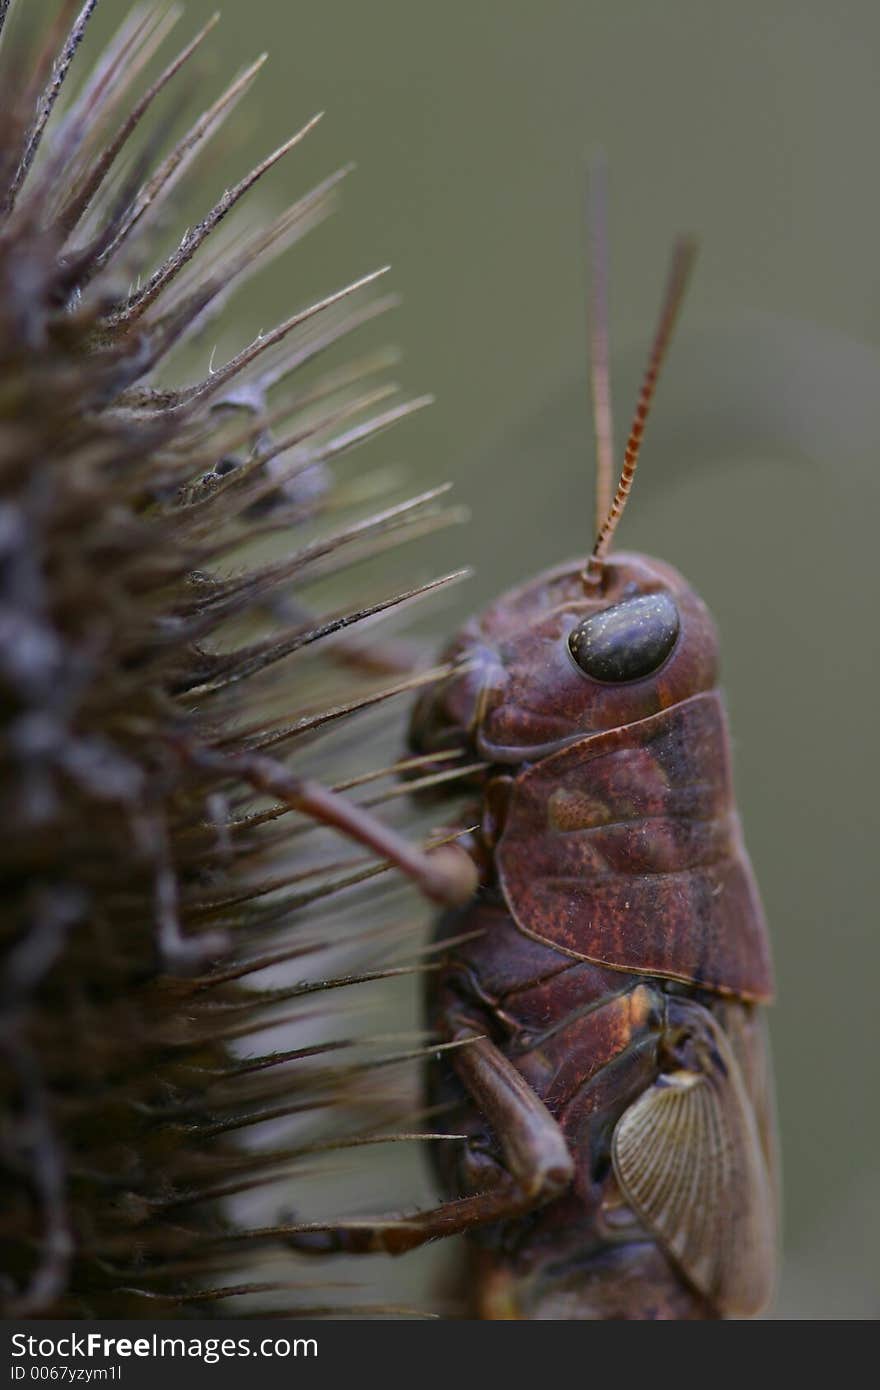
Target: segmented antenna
<point x="597" y="324"/>
<point x="683" y="258"/>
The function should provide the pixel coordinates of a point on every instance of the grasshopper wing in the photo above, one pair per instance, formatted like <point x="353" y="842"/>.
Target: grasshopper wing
<point x="689" y="1160"/>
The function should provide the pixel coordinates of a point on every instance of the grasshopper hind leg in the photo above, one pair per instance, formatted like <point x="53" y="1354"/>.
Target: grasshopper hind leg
<point x="691" y="1161"/>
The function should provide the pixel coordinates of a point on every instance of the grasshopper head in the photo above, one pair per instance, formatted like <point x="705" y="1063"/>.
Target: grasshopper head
<point x="561" y="659"/>
<point x="585" y="647"/>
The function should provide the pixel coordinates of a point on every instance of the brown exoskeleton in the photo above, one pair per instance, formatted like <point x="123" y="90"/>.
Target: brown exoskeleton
<point x="611" y="971"/>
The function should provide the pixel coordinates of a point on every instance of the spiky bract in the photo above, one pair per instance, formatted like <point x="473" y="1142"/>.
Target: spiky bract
<point x="165" y="660"/>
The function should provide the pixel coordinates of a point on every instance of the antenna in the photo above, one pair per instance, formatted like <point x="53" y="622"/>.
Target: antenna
<point x="683" y="257"/>
<point x="597" y="325"/>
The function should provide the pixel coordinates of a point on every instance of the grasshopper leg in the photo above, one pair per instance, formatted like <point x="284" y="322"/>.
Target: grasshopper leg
<point x="447" y="876"/>
<point x="535" y="1167"/>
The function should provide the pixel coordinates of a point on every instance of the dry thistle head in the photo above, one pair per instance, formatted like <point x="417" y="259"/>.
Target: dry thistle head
<point x="172" y="705"/>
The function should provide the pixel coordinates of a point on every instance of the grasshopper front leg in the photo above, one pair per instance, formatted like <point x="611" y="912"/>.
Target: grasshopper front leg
<point x="447" y="876"/>
<point x="535" y="1166"/>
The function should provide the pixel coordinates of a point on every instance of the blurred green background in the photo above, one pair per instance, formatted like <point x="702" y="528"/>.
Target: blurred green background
<point x="753" y="125"/>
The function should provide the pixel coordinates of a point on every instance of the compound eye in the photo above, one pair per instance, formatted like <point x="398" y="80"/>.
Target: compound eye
<point x="626" y="642"/>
